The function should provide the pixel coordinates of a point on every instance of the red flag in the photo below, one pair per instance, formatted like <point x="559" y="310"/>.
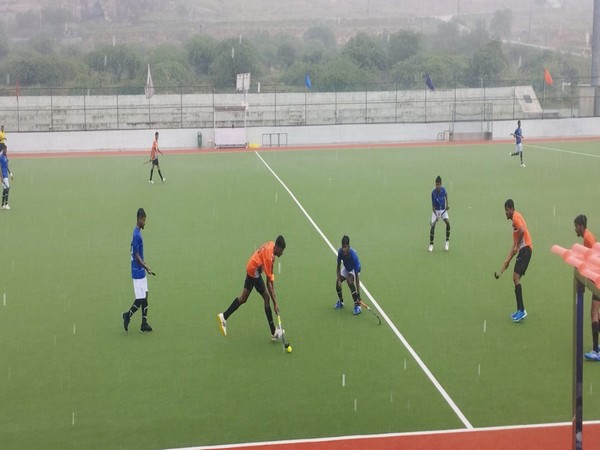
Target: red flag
<point x="548" y="77"/>
<point x="17" y="88"/>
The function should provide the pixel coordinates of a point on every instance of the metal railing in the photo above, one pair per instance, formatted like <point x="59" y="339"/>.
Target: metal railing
<point x="44" y="109"/>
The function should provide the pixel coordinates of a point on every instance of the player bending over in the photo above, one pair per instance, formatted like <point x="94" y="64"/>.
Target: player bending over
<point x="348" y="272"/>
<point x="439" y="207"/>
<point x="262" y="260"/>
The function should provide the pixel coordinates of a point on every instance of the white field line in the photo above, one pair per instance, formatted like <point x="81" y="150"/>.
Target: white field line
<point x="385" y="317"/>
<point x="388" y="435"/>
<point x="571" y="152"/>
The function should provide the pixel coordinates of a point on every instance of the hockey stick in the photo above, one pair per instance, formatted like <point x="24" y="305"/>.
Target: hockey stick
<point x="370" y="310"/>
<point x="285" y="344"/>
<point x="438" y="217"/>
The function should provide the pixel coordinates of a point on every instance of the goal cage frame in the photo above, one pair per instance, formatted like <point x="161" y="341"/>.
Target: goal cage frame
<point x="229" y="125"/>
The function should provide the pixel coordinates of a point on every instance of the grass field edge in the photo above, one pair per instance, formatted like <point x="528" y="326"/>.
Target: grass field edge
<point x="550" y="436"/>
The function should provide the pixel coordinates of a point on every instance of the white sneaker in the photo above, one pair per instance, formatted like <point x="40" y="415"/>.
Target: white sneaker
<point x="447" y="246"/>
<point x="151" y="182"/>
<point x="522" y="165"/>
<point x="164" y="180"/>
<point x="592" y="356"/>
<point x="6" y="206"/>
<point x="222" y="324"/>
<point x="430" y="249"/>
<point x="278" y="334"/>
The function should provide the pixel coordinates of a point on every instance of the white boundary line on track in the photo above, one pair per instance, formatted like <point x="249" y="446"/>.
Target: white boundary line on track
<point x="388" y="435"/>
<point x="385" y="317"/>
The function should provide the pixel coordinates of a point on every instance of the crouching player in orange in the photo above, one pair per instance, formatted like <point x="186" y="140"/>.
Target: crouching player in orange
<point x="522" y="247"/>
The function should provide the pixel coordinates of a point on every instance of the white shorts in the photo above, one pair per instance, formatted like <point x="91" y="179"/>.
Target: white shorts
<point x="345" y="273"/>
<point x="6" y="185"/>
<point x="140" y="287"/>
<point x="519" y="148"/>
<point x="439" y="214"/>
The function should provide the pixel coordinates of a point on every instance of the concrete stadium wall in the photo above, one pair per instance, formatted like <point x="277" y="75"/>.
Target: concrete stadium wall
<point x="135" y="140"/>
<point x="169" y="111"/>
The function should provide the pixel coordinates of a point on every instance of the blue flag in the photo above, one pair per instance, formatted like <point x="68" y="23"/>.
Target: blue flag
<point x="428" y="82"/>
<point x="307" y="81"/>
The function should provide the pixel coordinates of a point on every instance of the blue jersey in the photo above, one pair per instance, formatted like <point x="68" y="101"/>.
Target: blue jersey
<point x="137" y="246"/>
<point x="518" y="135"/>
<point x="438" y="199"/>
<point x="351" y="262"/>
<point x="4" y="165"/>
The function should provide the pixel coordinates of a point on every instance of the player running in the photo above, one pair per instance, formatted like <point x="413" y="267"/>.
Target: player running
<point x="154" y="159"/>
<point x="262" y="260"/>
<point x="518" y="135"/>
<point x="522" y="247"/>
<point x="348" y="272"/>
<point x="439" y="207"/>
<point x="589" y="240"/>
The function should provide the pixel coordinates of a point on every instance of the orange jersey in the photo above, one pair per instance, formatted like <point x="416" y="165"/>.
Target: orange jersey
<point x="588" y="239"/>
<point x="519" y="223"/>
<point x="154" y="150"/>
<point x="262" y="260"/>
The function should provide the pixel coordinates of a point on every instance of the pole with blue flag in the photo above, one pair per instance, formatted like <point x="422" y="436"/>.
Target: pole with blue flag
<point x="307" y="81"/>
<point x="308" y="85"/>
<point x="429" y="82"/>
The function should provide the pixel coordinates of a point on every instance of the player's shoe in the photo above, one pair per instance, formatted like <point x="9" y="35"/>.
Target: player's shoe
<point x="592" y="356"/>
<point x="6" y="206"/>
<point x="430" y="249"/>
<point x="339" y="305"/>
<point x="278" y="334"/>
<point x="126" y="320"/>
<point x="447" y="246"/>
<point x="164" y="180"/>
<point x="523" y="165"/>
<point x="513" y="315"/>
<point x="222" y="324"/>
<point x="520" y="316"/>
<point x="145" y="328"/>
<point x="150" y="181"/>
<point x="357" y="310"/>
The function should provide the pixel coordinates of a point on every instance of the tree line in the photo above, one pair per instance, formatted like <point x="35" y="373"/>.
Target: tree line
<point x="452" y="55"/>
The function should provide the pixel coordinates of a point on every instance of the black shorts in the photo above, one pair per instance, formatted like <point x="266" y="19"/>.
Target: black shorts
<point x="255" y="283"/>
<point x="155" y="162"/>
<point x="523" y="258"/>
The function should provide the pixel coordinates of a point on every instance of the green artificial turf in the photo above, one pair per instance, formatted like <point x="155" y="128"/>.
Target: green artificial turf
<point x="71" y="378"/>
